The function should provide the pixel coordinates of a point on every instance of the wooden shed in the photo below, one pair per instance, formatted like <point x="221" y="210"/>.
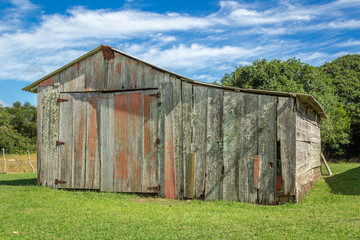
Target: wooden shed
<point x="111" y="122"/>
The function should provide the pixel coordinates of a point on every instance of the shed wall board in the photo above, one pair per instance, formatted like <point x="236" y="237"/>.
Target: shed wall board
<point x="286" y="135"/>
<point x="308" y="149"/>
<point x="113" y="145"/>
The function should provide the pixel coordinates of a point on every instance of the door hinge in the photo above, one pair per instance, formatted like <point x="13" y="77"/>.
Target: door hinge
<point x="62" y="100"/>
<point x="57" y="181"/>
<point x="58" y="143"/>
<point x="156" y="188"/>
<point x="158" y="95"/>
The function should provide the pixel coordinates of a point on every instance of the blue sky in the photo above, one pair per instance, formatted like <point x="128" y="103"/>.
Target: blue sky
<point x="202" y="40"/>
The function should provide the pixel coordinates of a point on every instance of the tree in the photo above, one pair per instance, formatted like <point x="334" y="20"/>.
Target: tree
<point x="18" y="128"/>
<point x="345" y="74"/>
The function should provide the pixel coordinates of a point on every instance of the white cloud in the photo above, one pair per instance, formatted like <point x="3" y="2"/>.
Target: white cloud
<point x="350" y="43"/>
<point x="4" y="104"/>
<point x="29" y="53"/>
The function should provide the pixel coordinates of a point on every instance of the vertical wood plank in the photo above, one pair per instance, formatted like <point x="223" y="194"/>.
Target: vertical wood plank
<point x="199" y="138"/>
<point x="54" y="131"/>
<point x="39" y="132"/>
<point x="66" y="136"/>
<point x="214" y="153"/>
<point x="248" y="146"/>
<point x="79" y="155"/>
<point x="286" y="135"/>
<point x="121" y="152"/>
<point x="92" y="171"/>
<point x="190" y="190"/>
<point x="135" y="140"/>
<point x="177" y="133"/>
<point x="45" y="137"/>
<point x="267" y="148"/>
<point x="169" y="163"/>
<point x="231" y="152"/>
<point x="150" y="164"/>
<point x="161" y="135"/>
<point x="107" y="142"/>
<point x="98" y="72"/>
<point x="187" y="106"/>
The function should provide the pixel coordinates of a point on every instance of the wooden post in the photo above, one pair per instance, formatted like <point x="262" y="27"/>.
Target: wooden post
<point x="3" y="150"/>
<point x="191" y="175"/>
<point x="18" y="162"/>
<point x="33" y="169"/>
<point x="326" y="164"/>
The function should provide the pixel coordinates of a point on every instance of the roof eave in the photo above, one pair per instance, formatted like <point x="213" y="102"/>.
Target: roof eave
<point x="33" y="87"/>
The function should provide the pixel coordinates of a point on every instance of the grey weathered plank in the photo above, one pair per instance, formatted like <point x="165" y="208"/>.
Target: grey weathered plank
<point x="66" y="136"/>
<point x="136" y="141"/>
<point x="39" y="132"/>
<point x="186" y="98"/>
<point x="214" y="156"/>
<point x="177" y="131"/>
<point x="161" y="136"/>
<point x="98" y="72"/>
<point x="79" y="155"/>
<point x="121" y="152"/>
<point x="286" y="135"/>
<point x="150" y="164"/>
<point x="199" y="138"/>
<point x="54" y="136"/>
<point x="107" y="142"/>
<point x="248" y="146"/>
<point x="169" y="162"/>
<point x="231" y="148"/>
<point x="45" y="137"/>
<point x="267" y="148"/>
<point x="92" y="170"/>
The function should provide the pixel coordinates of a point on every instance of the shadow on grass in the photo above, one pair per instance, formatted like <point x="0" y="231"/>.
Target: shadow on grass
<point x="19" y="182"/>
<point x="346" y="183"/>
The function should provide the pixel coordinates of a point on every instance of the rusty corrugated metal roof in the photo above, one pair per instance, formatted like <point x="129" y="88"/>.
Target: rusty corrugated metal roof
<point x="307" y="98"/>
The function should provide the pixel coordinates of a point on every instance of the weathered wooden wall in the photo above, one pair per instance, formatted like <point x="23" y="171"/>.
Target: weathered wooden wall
<point x="47" y="133"/>
<point x="119" y="138"/>
<point x="308" y="149"/>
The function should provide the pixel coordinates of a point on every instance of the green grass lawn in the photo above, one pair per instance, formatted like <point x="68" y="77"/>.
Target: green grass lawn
<point x="330" y="211"/>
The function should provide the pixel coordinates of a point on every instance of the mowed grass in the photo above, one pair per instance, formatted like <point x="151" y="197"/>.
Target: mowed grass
<point x="330" y="211"/>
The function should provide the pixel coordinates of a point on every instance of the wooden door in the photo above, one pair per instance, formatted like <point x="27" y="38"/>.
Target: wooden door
<point x="129" y="142"/>
<point x="78" y="144"/>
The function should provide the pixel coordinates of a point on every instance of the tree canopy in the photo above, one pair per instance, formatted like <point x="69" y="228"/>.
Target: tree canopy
<point x="18" y="128"/>
<point x="335" y="85"/>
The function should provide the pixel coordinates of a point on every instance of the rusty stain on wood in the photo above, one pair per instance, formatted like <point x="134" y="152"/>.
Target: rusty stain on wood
<point x="256" y="171"/>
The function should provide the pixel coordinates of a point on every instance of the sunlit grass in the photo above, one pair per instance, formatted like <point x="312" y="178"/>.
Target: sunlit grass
<point x="330" y="211"/>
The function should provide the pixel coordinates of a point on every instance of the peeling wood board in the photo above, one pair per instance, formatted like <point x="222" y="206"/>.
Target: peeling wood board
<point x="107" y="142"/>
<point x="121" y="151"/>
<point x="169" y="168"/>
<point x="231" y="148"/>
<point x="79" y="142"/>
<point x="267" y="148"/>
<point x="39" y="132"/>
<point x="150" y="165"/>
<point x="92" y="170"/>
<point x="214" y="151"/>
<point x="199" y="137"/>
<point x="66" y="135"/>
<point x="286" y="134"/>
<point x="187" y="105"/>
<point x="248" y="147"/>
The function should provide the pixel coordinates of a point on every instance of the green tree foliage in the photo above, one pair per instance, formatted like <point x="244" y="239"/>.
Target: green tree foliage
<point x="294" y="76"/>
<point x="18" y="128"/>
<point x="345" y="74"/>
